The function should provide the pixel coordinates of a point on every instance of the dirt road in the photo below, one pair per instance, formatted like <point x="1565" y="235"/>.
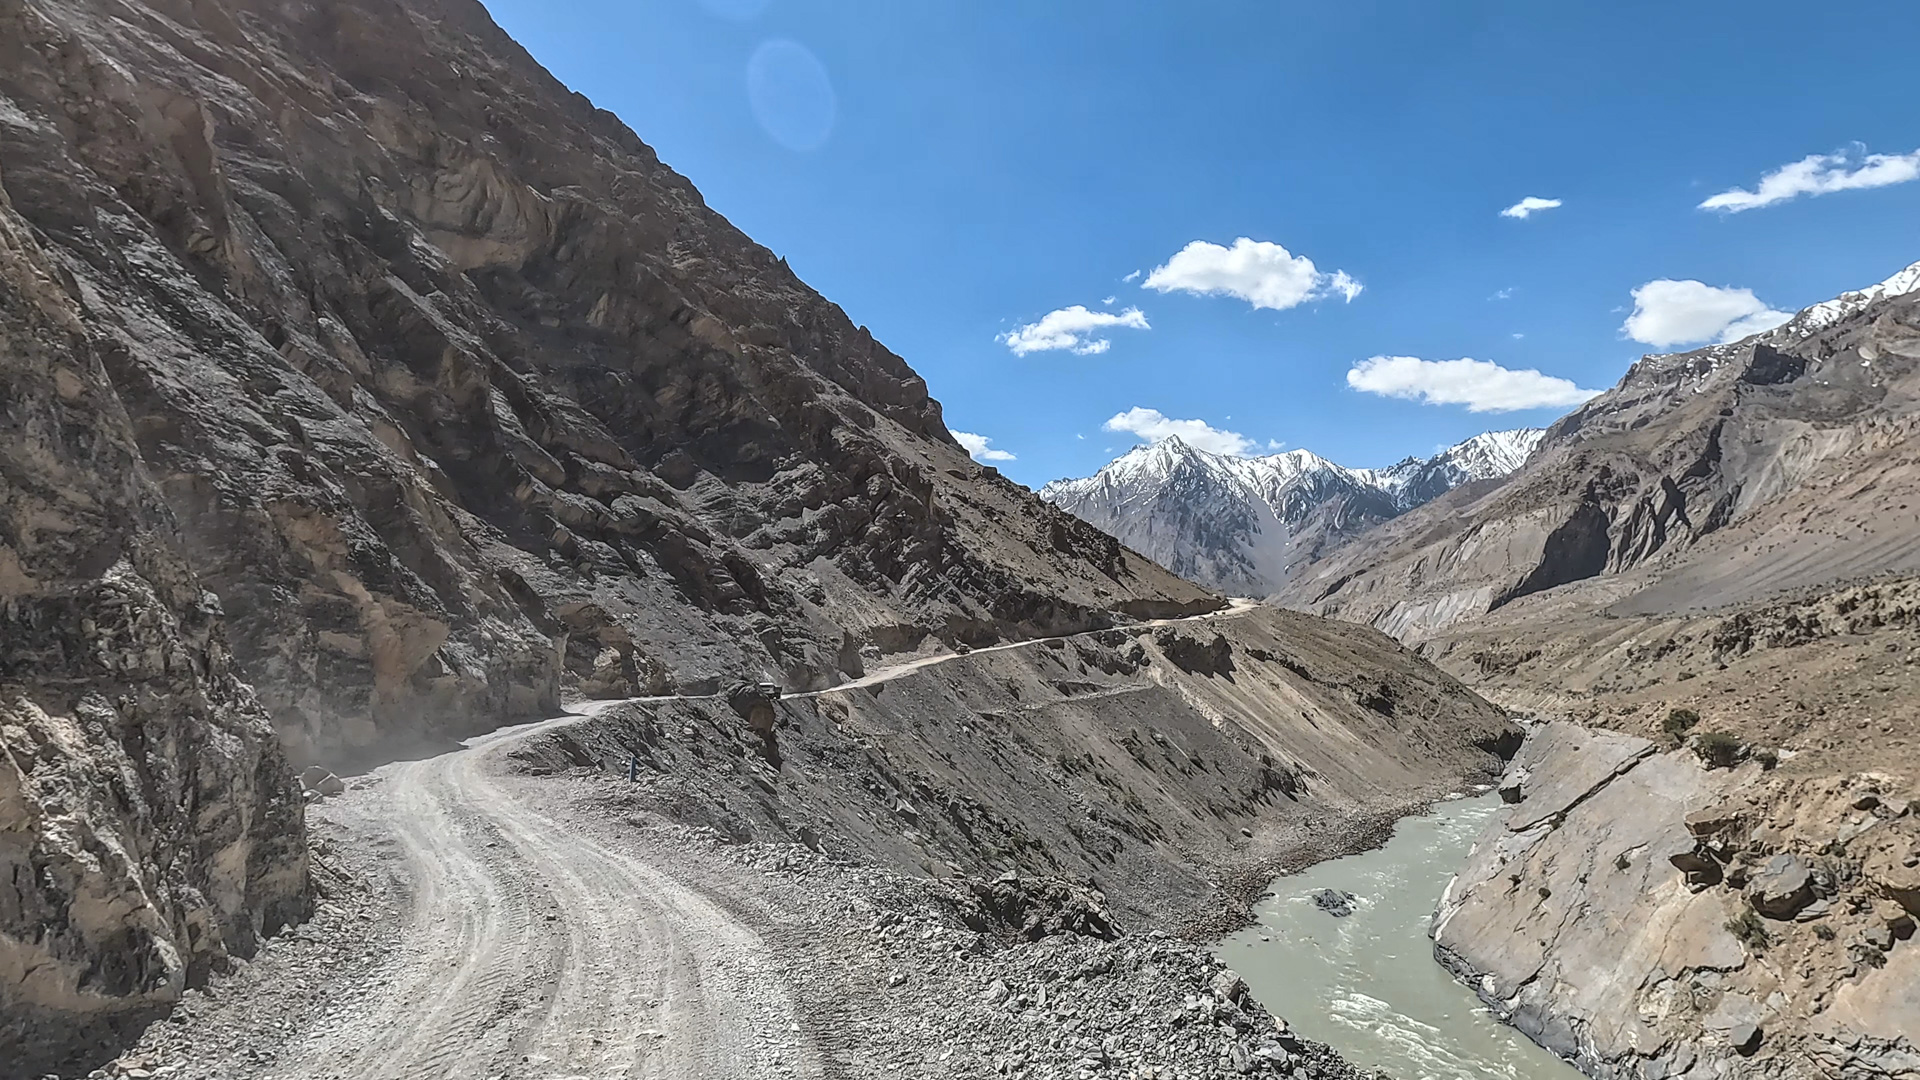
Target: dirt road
<point x="534" y="951"/>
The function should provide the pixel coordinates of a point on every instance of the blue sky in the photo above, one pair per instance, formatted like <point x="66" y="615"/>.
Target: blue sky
<point x="951" y="172"/>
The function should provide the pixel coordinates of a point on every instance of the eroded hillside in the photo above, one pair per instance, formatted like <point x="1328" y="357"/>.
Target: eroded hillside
<point x="1703" y="480"/>
<point x="459" y="396"/>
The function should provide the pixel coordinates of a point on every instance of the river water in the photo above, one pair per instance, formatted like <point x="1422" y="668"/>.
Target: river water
<point x="1367" y="984"/>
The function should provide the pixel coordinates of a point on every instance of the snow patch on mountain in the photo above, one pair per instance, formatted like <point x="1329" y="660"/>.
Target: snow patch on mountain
<point x="1822" y="315"/>
<point x="1243" y="524"/>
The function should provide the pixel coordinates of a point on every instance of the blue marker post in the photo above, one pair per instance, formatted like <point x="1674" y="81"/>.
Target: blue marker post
<point x="633" y="769"/>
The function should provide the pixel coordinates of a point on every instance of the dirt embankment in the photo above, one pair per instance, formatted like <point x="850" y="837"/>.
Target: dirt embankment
<point x="1827" y="681"/>
<point x="1163" y="766"/>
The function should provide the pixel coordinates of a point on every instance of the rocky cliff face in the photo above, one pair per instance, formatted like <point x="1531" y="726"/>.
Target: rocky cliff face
<point x="1246" y="525"/>
<point x="459" y="396"/>
<point x="1644" y="915"/>
<point x="150" y="828"/>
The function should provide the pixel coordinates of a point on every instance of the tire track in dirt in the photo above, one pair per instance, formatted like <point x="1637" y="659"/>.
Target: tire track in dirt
<point x="535" y="952"/>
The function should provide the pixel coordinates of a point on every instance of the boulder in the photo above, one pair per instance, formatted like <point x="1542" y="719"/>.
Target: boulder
<point x="1702" y="870"/>
<point x="1227" y="985"/>
<point x="1890" y="866"/>
<point x="1712" y="820"/>
<point x="1782" y="887"/>
<point x="754" y="702"/>
<point x="1335" y="902"/>
<point x="1895" y="918"/>
<point x="1513" y="786"/>
<point x="318" y="780"/>
<point x="1039" y="908"/>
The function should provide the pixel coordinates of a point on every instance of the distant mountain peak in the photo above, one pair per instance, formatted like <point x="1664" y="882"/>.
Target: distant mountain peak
<point x="1243" y="524"/>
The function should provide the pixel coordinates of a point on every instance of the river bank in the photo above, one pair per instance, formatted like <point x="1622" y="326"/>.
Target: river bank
<point x="1366" y="982"/>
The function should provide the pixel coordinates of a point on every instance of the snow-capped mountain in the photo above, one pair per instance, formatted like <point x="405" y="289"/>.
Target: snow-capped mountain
<point x="1487" y="456"/>
<point x="1244" y="524"/>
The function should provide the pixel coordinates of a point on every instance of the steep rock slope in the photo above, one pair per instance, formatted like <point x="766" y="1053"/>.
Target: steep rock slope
<point x="458" y="395"/>
<point x="1246" y="525"/>
<point x="1704" y="479"/>
<point x="149" y="826"/>
<point x="1130" y="758"/>
<point x="1646" y="916"/>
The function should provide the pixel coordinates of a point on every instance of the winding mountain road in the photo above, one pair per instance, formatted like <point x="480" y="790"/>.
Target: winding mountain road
<point x="534" y="951"/>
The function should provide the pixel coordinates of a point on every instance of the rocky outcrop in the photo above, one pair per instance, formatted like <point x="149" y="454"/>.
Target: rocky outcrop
<point x="1646" y="916"/>
<point x="150" y="828"/>
<point x="459" y="397"/>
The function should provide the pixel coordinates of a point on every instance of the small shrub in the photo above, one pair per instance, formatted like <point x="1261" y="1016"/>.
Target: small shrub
<point x="1622" y="862"/>
<point x="1750" y="930"/>
<point x="1823" y="932"/>
<point x="1678" y="723"/>
<point x="1769" y="758"/>
<point x="1718" y="749"/>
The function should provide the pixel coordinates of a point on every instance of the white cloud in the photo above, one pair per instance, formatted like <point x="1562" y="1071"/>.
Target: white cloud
<point x="1263" y="274"/>
<point x="1109" y="301"/>
<point x="1820" y="174"/>
<point x="1667" y="312"/>
<point x="1480" y="385"/>
<point x="1517" y="335"/>
<point x="1072" y="329"/>
<point x="1154" y="426"/>
<point x="1529" y="206"/>
<point x="1135" y="276"/>
<point x="977" y="448"/>
<point x="1503" y="294"/>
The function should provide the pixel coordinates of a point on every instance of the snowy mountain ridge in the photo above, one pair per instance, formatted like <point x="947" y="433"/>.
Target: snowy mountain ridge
<point x="1242" y="524"/>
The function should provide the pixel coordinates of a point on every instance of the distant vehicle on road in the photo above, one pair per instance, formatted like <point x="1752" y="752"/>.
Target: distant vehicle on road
<point x="769" y="690"/>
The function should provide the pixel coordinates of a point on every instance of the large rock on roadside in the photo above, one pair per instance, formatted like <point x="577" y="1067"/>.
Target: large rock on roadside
<point x="1036" y="908"/>
<point x="318" y="780"/>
